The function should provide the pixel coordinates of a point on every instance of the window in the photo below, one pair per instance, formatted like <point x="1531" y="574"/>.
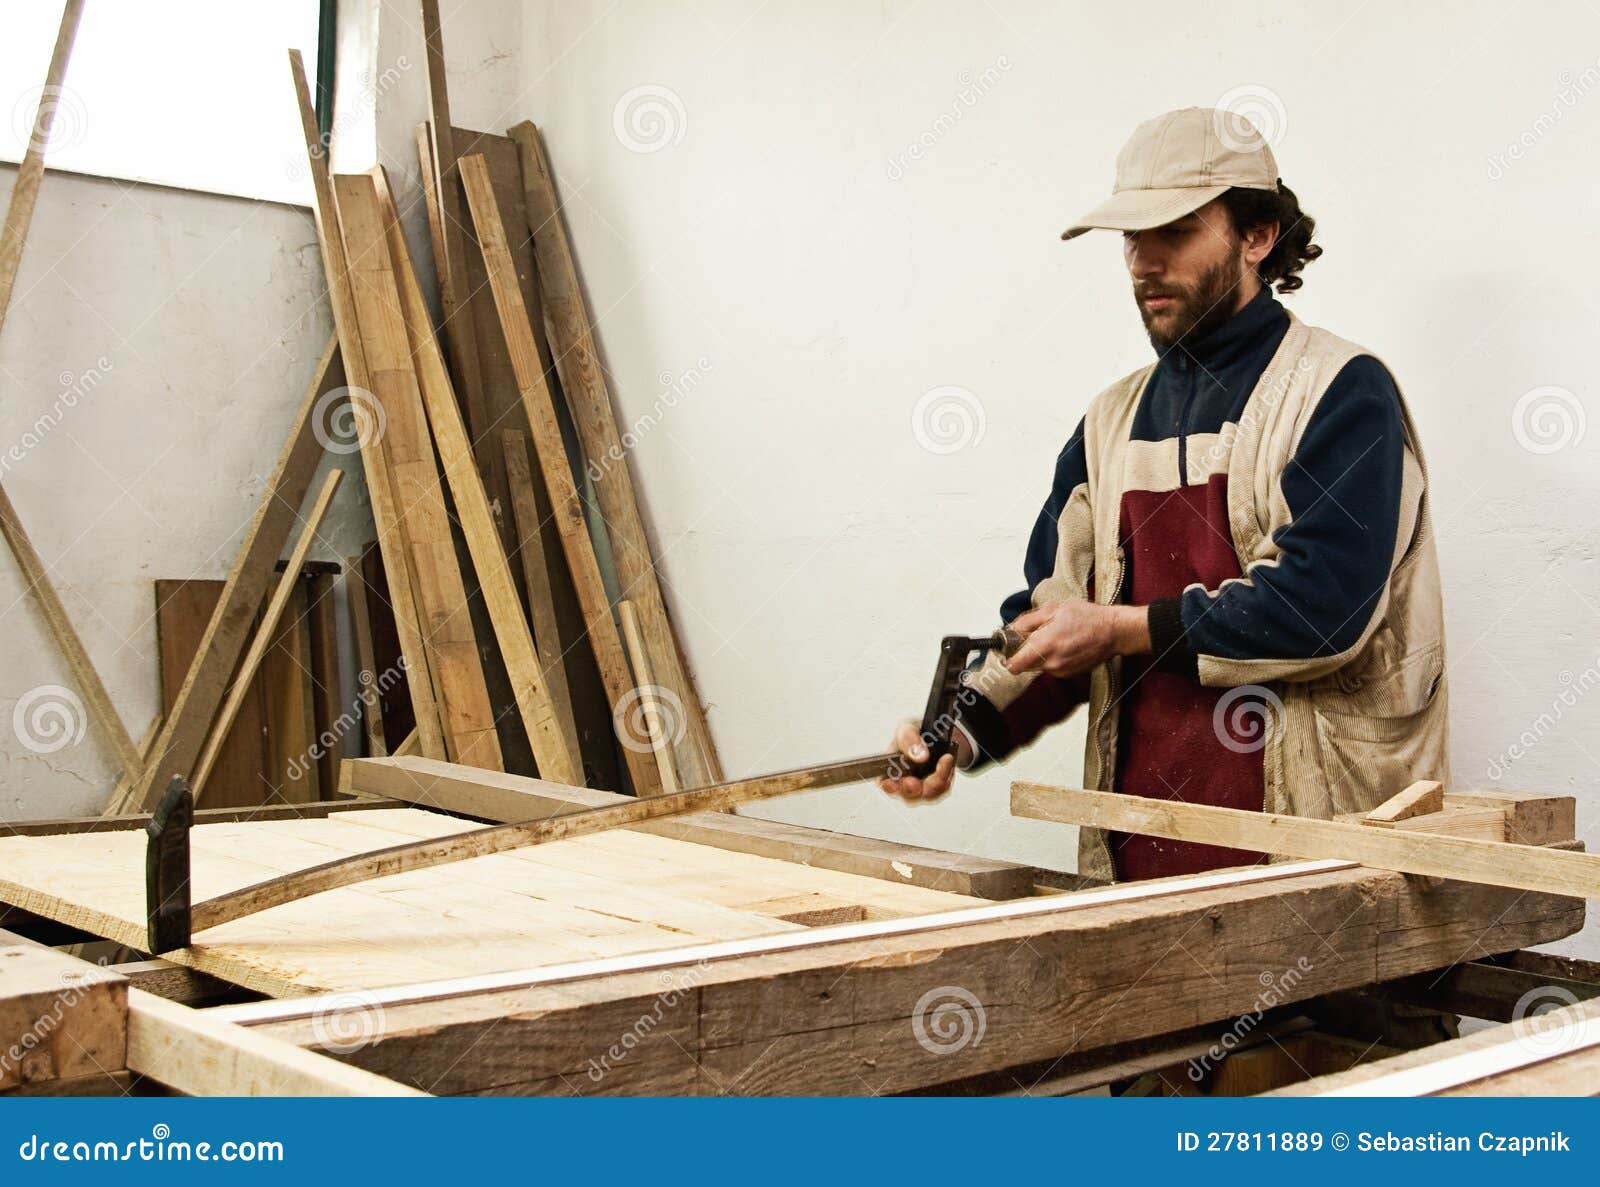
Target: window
<point x="189" y="93"/>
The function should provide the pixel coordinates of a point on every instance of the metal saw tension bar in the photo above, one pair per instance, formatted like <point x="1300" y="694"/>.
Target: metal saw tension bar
<point x="172" y="921"/>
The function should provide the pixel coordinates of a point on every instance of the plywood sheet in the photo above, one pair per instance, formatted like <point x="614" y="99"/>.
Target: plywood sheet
<point x="580" y="899"/>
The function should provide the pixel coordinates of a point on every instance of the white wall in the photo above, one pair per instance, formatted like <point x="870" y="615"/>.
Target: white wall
<point x="784" y="232"/>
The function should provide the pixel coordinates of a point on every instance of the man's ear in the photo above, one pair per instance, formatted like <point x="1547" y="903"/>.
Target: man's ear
<point x="1259" y="242"/>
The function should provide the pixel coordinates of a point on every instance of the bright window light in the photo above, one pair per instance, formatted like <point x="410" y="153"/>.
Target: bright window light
<point x="189" y="93"/>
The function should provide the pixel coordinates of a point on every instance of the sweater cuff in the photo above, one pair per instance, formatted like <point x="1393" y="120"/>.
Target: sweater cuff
<point x="1170" y="648"/>
<point x="984" y="726"/>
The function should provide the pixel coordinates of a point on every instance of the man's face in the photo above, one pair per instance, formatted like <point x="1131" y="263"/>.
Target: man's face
<point x="1189" y="276"/>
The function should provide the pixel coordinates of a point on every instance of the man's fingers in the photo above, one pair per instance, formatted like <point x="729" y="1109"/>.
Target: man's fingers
<point x="908" y="741"/>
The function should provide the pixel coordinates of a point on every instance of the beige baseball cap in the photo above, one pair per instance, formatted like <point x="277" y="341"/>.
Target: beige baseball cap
<point x="1178" y="162"/>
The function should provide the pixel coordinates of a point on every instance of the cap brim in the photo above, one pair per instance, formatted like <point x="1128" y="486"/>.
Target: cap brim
<point x="1140" y="210"/>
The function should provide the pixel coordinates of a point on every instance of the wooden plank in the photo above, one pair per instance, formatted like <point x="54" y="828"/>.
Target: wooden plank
<point x="452" y="264"/>
<point x="422" y="523"/>
<point x="1522" y="867"/>
<point x="556" y="755"/>
<point x="270" y="619"/>
<point x="401" y="859"/>
<point x="137" y="821"/>
<point x="504" y="798"/>
<point x="657" y="724"/>
<point x="60" y="1017"/>
<point x="25" y="190"/>
<point x="1532" y="817"/>
<point x="564" y="499"/>
<point x="189" y="719"/>
<point x="199" y="1055"/>
<point x="578" y="364"/>
<point x="548" y="641"/>
<point x="1484" y="823"/>
<point x="292" y="776"/>
<point x="1551" y="1054"/>
<point x="374" y="459"/>
<point x="327" y="700"/>
<point x="367" y="670"/>
<point x="583" y="899"/>
<point x="183" y="608"/>
<point x="84" y="676"/>
<point x="1425" y="795"/>
<point x="847" y="1016"/>
<point x="176" y="983"/>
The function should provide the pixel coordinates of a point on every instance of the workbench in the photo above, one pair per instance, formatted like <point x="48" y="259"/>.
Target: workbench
<point x="718" y="953"/>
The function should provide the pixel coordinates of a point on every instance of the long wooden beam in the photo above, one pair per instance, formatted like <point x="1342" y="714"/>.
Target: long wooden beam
<point x="893" y="1013"/>
<point x="578" y="364"/>
<point x="422" y="855"/>
<point x="564" y="499"/>
<point x="374" y="461"/>
<point x="1492" y="863"/>
<point x="264" y="633"/>
<point x="504" y="798"/>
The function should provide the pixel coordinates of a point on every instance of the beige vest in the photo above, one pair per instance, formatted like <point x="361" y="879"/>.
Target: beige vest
<point x="1353" y="728"/>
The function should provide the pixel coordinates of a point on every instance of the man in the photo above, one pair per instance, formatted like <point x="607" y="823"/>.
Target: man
<point x="1234" y="568"/>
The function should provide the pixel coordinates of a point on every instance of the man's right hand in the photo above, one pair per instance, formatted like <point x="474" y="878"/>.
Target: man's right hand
<point x="908" y="743"/>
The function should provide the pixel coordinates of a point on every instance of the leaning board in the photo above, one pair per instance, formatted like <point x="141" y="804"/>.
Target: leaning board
<point x="579" y="899"/>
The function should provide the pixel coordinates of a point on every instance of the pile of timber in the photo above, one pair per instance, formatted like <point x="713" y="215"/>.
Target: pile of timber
<point x="509" y="615"/>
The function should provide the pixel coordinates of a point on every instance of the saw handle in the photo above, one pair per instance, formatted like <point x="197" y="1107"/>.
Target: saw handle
<point x="939" y="717"/>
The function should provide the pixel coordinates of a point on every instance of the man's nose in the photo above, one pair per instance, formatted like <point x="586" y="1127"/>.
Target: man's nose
<point x="1144" y="261"/>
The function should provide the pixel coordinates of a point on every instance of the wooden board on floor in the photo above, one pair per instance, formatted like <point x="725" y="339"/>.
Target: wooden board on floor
<point x="183" y="608"/>
<point x="585" y="898"/>
<point x="286" y="692"/>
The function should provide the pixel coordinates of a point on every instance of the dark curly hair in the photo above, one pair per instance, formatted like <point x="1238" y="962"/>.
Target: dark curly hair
<point x="1294" y="249"/>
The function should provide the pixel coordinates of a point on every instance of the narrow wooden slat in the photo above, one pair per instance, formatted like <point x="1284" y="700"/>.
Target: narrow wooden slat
<point x="367" y="674"/>
<point x="1519" y="867"/>
<point x="551" y="747"/>
<point x="584" y="383"/>
<point x="648" y="705"/>
<point x="547" y="638"/>
<point x="1425" y="795"/>
<point x="564" y="499"/>
<point x="200" y="1055"/>
<point x="327" y="700"/>
<point x="380" y="486"/>
<point x="292" y="775"/>
<point x="264" y="634"/>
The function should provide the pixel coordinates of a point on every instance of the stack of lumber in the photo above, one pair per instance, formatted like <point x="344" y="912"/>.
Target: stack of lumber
<point x="487" y="617"/>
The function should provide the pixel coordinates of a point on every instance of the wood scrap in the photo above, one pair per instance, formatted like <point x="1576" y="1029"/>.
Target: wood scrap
<point x="60" y="1017"/>
<point x="327" y="701"/>
<point x="403" y="598"/>
<point x="578" y="364"/>
<point x="553" y="749"/>
<point x="1519" y="867"/>
<point x="564" y="499"/>
<point x="367" y="671"/>
<point x="1425" y="795"/>
<point x="271" y="617"/>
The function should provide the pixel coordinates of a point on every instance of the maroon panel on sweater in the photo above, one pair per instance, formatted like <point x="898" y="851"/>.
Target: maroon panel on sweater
<point x="1168" y="745"/>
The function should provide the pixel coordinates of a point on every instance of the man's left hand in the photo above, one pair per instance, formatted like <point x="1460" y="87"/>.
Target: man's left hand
<point x="1066" y="639"/>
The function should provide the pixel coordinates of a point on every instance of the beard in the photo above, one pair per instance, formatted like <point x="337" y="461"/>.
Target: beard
<point x="1196" y="310"/>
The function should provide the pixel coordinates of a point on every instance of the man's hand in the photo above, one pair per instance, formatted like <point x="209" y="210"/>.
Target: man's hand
<point x="1066" y="639"/>
<point x="908" y="742"/>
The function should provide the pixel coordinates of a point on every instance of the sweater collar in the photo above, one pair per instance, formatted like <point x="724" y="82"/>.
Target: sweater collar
<point x="1261" y="315"/>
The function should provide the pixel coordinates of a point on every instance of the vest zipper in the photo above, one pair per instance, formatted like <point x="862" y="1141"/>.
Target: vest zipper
<point x="1113" y="667"/>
